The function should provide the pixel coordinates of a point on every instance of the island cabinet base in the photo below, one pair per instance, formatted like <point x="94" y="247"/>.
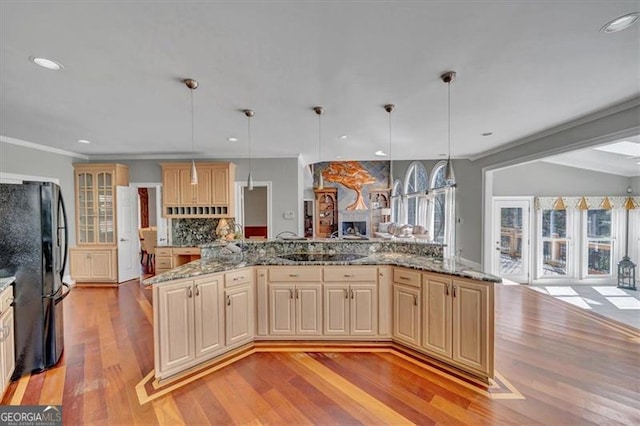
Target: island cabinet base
<point x="445" y="321"/>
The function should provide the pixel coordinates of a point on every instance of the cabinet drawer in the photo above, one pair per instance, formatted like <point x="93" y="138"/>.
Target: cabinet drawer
<point x="163" y="251"/>
<point x="342" y="274"/>
<point x="6" y="298"/>
<point x="242" y="276"/>
<point x="407" y="277"/>
<point x="186" y="250"/>
<point x="295" y="274"/>
<point x="164" y="262"/>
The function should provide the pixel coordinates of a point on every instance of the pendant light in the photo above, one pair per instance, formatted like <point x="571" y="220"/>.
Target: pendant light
<point x="389" y="108"/>
<point x="448" y="77"/>
<point x="192" y="85"/>
<point x="319" y="110"/>
<point x="249" y="113"/>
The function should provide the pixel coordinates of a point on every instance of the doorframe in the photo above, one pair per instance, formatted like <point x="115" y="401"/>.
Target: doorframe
<point x="159" y="217"/>
<point x="239" y="203"/>
<point x="489" y="233"/>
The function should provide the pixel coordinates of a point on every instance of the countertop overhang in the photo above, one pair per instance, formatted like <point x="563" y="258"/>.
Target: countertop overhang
<point x="421" y="263"/>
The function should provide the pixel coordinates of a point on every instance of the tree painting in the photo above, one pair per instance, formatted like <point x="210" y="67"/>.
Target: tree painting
<point x="353" y="176"/>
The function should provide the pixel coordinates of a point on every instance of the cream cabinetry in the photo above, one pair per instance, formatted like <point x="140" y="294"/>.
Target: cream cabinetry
<point x="212" y="196"/>
<point x="350" y="301"/>
<point x="188" y="323"/>
<point x="93" y="264"/>
<point x="7" y="337"/>
<point x="295" y="301"/>
<point x="406" y="306"/>
<point x="94" y="258"/>
<point x="171" y="257"/>
<point x="238" y="293"/>
<point x="458" y="318"/>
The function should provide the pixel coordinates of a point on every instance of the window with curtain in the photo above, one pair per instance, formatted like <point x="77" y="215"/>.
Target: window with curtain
<point x="396" y="201"/>
<point x="441" y="203"/>
<point x="555" y="233"/>
<point x="415" y="187"/>
<point x="598" y="242"/>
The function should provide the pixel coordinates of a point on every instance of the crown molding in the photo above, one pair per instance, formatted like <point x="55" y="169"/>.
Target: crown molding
<point x="39" y="147"/>
<point x="632" y="103"/>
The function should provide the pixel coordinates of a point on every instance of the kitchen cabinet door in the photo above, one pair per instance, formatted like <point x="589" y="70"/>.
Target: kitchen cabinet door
<point x="175" y="328"/>
<point x="171" y="186"/>
<point x="7" y="348"/>
<point x="336" y="310"/>
<point x="220" y="186"/>
<point x="437" y="330"/>
<point x="281" y="309"/>
<point x="209" y="320"/>
<point x="406" y="314"/>
<point x="239" y="315"/>
<point x="363" y="308"/>
<point x="471" y="311"/>
<point x="308" y="298"/>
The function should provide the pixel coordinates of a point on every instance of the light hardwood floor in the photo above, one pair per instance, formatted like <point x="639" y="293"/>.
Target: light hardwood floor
<point x="570" y="367"/>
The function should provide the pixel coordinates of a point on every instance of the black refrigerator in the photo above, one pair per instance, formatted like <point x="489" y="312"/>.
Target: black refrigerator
<point x="33" y="248"/>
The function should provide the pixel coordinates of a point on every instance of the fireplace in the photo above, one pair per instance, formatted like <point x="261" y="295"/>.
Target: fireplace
<point x="354" y="228"/>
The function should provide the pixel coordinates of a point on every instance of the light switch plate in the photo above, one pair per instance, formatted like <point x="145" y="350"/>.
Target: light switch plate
<point x="288" y="215"/>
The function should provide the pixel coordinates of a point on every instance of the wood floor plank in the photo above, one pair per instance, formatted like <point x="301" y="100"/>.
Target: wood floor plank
<point x="53" y="386"/>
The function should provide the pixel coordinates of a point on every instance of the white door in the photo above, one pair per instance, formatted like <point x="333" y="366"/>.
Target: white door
<point x="511" y="239"/>
<point x="128" y="263"/>
<point x="161" y="222"/>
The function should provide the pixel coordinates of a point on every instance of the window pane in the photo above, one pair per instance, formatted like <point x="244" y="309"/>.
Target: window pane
<point x="511" y="217"/>
<point x="411" y="213"/>
<point x="411" y="181"/>
<point x="438" y="178"/>
<point x="599" y="223"/>
<point x="599" y="257"/>
<point x="438" y="217"/>
<point x="554" y="223"/>
<point x="421" y="178"/>
<point x="554" y="255"/>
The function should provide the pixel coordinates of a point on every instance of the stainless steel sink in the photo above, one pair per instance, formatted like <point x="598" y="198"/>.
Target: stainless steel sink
<point x="322" y="257"/>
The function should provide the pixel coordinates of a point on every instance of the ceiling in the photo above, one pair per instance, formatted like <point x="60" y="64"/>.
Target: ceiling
<point x="522" y="67"/>
<point x="620" y="157"/>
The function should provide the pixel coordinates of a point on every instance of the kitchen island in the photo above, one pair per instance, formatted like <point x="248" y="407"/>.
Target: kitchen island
<point x="395" y="293"/>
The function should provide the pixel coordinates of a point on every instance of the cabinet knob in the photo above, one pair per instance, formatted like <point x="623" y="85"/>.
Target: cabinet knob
<point x="228" y="300"/>
<point x="446" y="289"/>
<point x="346" y="293"/>
<point x="197" y="290"/>
<point x="415" y="300"/>
<point x="454" y="290"/>
<point x="294" y="275"/>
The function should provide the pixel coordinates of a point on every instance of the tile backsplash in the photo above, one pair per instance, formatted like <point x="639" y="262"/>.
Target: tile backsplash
<point x="192" y="232"/>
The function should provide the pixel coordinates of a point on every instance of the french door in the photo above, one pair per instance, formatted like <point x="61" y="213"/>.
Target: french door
<point x="511" y="239"/>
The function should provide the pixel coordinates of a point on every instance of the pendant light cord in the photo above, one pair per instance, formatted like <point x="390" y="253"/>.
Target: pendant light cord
<point x="249" y="133"/>
<point x="192" y="132"/>
<point x="390" y="160"/>
<point x="449" y="115"/>
<point x="319" y="138"/>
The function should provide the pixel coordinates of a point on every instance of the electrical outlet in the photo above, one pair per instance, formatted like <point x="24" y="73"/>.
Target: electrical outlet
<point x="288" y="215"/>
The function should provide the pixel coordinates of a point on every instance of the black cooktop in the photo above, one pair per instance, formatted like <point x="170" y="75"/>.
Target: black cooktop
<point x="322" y="257"/>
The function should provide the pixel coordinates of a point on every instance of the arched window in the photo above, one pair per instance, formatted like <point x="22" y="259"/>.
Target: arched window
<point x="396" y="201"/>
<point x="415" y="185"/>
<point x="441" y="211"/>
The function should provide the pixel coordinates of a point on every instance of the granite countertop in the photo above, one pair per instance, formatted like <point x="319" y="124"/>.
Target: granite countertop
<point x="6" y="282"/>
<point x="422" y="263"/>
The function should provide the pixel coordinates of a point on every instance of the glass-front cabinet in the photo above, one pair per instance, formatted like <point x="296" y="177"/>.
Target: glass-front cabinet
<point x="95" y="259"/>
<point x="95" y="201"/>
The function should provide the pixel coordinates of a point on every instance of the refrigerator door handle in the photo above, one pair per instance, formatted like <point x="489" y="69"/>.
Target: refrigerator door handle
<point x="66" y="235"/>
<point x="66" y="293"/>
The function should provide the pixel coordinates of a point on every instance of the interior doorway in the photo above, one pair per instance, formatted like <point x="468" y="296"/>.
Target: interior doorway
<point x="308" y="218"/>
<point x="253" y="209"/>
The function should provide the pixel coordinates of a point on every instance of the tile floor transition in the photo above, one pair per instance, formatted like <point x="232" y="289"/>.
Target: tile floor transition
<point x="612" y="302"/>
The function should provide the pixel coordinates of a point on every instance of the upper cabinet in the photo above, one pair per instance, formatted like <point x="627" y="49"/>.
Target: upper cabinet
<point x="96" y="201"/>
<point x="212" y="196"/>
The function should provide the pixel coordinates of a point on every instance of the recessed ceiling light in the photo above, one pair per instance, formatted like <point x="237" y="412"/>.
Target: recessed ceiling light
<point x="46" y="63"/>
<point x="343" y="137"/>
<point x="83" y="141"/>
<point x="443" y="155"/>
<point x="338" y="156"/>
<point x="487" y="133"/>
<point x="621" y="23"/>
<point x="380" y="154"/>
<point x="232" y="139"/>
